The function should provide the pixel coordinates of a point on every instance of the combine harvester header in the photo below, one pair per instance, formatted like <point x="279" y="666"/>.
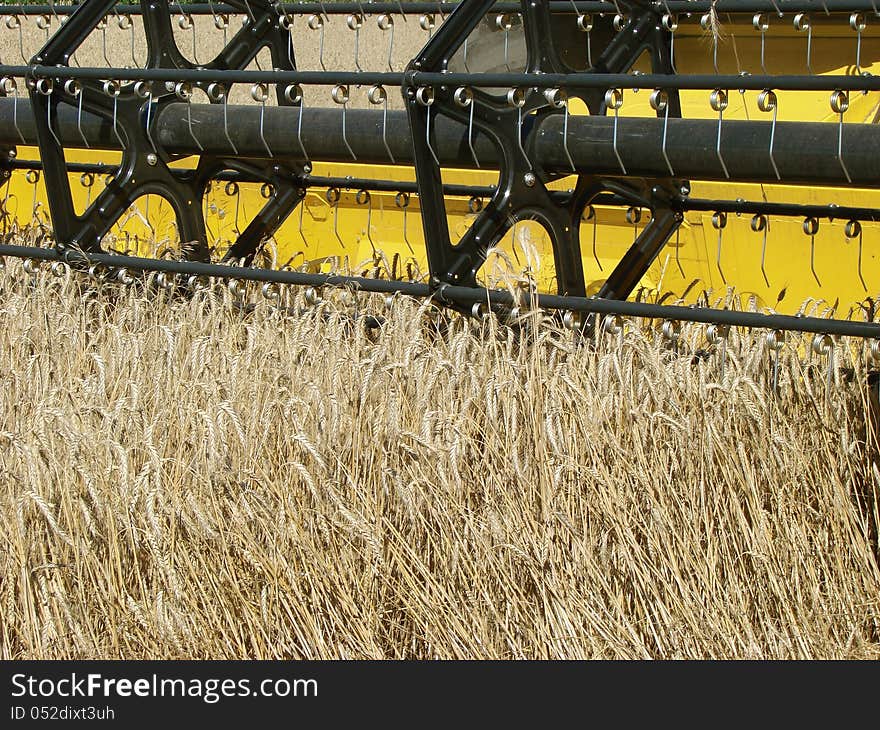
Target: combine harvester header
<point x="701" y="161"/>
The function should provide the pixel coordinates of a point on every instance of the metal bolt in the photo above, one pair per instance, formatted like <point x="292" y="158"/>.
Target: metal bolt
<point x="529" y="179"/>
<point x="685" y="189"/>
<point x="152" y="159"/>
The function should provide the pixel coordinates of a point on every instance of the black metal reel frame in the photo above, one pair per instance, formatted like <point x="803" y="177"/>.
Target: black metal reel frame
<point x="145" y="167"/>
<point x="522" y="193"/>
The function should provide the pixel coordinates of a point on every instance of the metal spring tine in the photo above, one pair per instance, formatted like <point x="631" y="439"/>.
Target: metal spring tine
<point x="708" y="22"/>
<point x="718" y="101"/>
<point x="147" y="217"/>
<point x="669" y="21"/>
<point x="302" y="235"/>
<point x="74" y="88"/>
<point x="86" y="179"/>
<point x="775" y="342"/>
<point x="617" y="7"/>
<point x="260" y="93"/>
<point x="558" y="99"/>
<point x="589" y="214"/>
<point x="767" y="102"/>
<point x="386" y="23"/>
<point x="217" y="92"/>
<point x="184" y="91"/>
<point x="811" y="228"/>
<point x="402" y="12"/>
<point x="463" y="97"/>
<point x="112" y="89"/>
<point x="377" y="95"/>
<point x="858" y="24"/>
<point x="426" y="22"/>
<point x="55" y="13"/>
<point x="504" y="23"/>
<point x="761" y="24"/>
<point x="585" y="25"/>
<point x="671" y="330"/>
<point x="294" y="94"/>
<point x="333" y="195"/>
<point x="363" y="197"/>
<point x="340" y="96"/>
<point x="102" y="26"/>
<point x="823" y="345"/>
<point x="185" y="22"/>
<point x="43" y="23"/>
<point x="124" y="22"/>
<point x="719" y="222"/>
<point x="464" y="52"/>
<point x="614" y="100"/>
<point x="209" y="207"/>
<point x="633" y="215"/>
<point x="678" y="249"/>
<point x="232" y="190"/>
<point x="6" y="217"/>
<point x="285" y="22"/>
<point x="401" y="200"/>
<point x="221" y="22"/>
<point x="45" y="87"/>
<point x="33" y="177"/>
<point x="425" y="97"/>
<point x="839" y="105"/>
<point x="10" y="86"/>
<point x="802" y="24"/>
<point x="516" y="98"/>
<point x="853" y="229"/>
<point x="316" y="22"/>
<point x="354" y="22"/>
<point x="613" y="324"/>
<point x="144" y="90"/>
<point x="761" y="224"/>
<point x="13" y="23"/>
<point x="659" y="101"/>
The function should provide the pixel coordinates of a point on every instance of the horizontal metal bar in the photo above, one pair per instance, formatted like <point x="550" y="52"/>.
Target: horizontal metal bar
<point x="831" y="212"/>
<point x="417" y="7"/>
<point x="804" y="152"/>
<point x="586" y="80"/>
<point x="461" y="295"/>
<point x="572" y="81"/>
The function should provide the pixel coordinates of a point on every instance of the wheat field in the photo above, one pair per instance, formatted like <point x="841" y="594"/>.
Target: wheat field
<point x="182" y="478"/>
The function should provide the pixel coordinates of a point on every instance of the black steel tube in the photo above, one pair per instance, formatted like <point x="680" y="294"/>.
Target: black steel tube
<point x="463" y="295"/>
<point x="804" y="152"/>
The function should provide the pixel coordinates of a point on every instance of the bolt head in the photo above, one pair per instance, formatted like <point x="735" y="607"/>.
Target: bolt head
<point x="530" y="179"/>
<point x="685" y="189"/>
<point x="152" y="159"/>
<point x="12" y="154"/>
